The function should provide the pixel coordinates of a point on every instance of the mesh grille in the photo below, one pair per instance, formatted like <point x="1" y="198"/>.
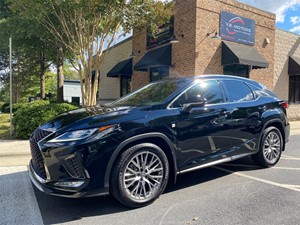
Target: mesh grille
<point x="74" y="166"/>
<point x="37" y="158"/>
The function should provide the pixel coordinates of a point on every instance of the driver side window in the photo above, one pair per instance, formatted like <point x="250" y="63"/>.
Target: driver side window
<point x="208" y="89"/>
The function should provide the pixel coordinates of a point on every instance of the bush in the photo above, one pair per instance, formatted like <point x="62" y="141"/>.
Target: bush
<point x="32" y="115"/>
<point x="4" y="105"/>
<point x="15" y="107"/>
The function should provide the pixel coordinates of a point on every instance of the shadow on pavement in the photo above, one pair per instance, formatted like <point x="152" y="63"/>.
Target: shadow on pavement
<point x="56" y="210"/>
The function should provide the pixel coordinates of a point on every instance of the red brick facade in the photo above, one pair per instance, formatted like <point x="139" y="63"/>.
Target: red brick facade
<point x="196" y="53"/>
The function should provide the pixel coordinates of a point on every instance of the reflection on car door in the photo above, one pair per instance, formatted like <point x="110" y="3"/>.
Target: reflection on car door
<point x="203" y="135"/>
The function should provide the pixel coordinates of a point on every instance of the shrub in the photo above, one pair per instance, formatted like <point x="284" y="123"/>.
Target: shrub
<point x="32" y="115"/>
<point x="15" y="107"/>
<point x="4" y="105"/>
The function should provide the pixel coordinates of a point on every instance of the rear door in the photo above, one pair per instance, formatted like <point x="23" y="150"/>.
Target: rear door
<point x="245" y="118"/>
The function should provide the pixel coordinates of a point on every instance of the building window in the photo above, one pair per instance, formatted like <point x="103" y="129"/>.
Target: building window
<point x="294" y="89"/>
<point x="237" y="69"/>
<point x="159" y="73"/>
<point x="125" y="85"/>
<point x="76" y="100"/>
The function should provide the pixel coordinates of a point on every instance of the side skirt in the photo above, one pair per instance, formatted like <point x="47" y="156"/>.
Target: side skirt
<point x="215" y="163"/>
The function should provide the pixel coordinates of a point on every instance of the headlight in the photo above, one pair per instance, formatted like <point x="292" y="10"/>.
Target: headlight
<point x="82" y="134"/>
<point x="74" y="135"/>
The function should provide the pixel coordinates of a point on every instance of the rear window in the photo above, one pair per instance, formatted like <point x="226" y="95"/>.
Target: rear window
<point x="238" y="91"/>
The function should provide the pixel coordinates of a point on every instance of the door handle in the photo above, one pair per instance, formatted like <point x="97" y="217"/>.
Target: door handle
<point x="262" y="108"/>
<point x="226" y="112"/>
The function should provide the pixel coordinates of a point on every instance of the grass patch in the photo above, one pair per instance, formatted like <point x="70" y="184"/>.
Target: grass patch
<point x="4" y="126"/>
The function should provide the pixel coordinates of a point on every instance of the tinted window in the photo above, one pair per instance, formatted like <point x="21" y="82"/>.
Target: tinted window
<point x="210" y="90"/>
<point x="238" y="91"/>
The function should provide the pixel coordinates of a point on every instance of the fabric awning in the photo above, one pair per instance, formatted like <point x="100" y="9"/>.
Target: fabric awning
<point x="123" y="68"/>
<point x="157" y="57"/>
<point x="294" y="65"/>
<point x="242" y="54"/>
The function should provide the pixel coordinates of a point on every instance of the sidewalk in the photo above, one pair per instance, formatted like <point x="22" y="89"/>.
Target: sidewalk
<point x="17" y="153"/>
<point x="14" y="153"/>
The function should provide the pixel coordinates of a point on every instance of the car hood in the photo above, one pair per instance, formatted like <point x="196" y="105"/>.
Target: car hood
<point x="91" y="117"/>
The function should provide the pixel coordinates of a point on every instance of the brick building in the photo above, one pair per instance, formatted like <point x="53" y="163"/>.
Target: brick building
<point x="249" y="45"/>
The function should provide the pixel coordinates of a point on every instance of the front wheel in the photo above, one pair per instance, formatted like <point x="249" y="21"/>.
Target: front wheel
<point x="271" y="146"/>
<point x="140" y="175"/>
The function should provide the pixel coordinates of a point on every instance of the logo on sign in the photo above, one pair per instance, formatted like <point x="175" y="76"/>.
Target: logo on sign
<point x="235" y="25"/>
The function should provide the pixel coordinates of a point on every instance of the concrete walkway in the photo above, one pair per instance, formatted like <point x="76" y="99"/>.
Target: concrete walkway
<point x="17" y="153"/>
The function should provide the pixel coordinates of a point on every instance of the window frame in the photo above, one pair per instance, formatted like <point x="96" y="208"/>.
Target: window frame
<point x="170" y="106"/>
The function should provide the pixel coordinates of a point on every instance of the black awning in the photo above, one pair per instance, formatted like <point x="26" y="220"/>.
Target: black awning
<point x="242" y="54"/>
<point x="157" y="57"/>
<point x="294" y="66"/>
<point x="123" y="68"/>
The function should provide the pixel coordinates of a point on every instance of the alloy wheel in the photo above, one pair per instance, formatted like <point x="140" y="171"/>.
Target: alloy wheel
<point x="272" y="147"/>
<point x="143" y="176"/>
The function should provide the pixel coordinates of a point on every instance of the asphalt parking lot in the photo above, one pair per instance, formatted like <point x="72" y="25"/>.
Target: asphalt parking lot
<point x="233" y="193"/>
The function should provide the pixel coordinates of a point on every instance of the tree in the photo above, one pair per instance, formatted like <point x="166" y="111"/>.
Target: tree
<point x="31" y="42"/>
<point x="86" y="27"/>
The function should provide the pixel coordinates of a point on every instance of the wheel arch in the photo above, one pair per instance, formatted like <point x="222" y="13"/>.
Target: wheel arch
<point x="279" y="125"/>
<point x="156" y="138"/>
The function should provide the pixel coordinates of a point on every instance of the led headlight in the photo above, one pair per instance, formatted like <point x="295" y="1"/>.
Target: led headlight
<point x="74" y="135"/>
<point x="82" y="134"/>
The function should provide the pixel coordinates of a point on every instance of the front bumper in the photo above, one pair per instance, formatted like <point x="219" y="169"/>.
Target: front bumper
<point x="48" y="187"/>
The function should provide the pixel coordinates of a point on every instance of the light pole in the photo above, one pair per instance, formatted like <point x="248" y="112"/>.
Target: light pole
<point x="10" y="82"/>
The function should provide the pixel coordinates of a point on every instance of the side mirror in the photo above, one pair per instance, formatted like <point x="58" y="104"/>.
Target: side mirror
<point x="195" y="104"/>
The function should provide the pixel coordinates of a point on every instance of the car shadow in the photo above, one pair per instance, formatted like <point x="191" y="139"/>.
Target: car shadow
<point x="56" y="210"/>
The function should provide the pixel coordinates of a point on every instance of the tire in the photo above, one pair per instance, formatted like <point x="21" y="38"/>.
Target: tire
<point x="270" y="148"/>
<point x="140" y="175"/>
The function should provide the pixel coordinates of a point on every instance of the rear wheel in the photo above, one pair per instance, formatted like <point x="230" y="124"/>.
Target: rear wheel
<point x="140" y="175"/>
<point x="271" y="146"/>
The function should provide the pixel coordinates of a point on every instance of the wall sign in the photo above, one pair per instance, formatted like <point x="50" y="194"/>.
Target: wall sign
<point x="165" y="34"/>
<point x="237" y="29"/>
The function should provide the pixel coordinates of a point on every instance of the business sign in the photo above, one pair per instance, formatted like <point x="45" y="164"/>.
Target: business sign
<point x="164" y="34"/>
<point x="237" y="29"/>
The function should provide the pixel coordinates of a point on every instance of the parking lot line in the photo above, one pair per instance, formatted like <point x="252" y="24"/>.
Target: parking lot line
<point x="285" y="168"/>
<point x="258" y="179"/>
<point x="289" y="157"/>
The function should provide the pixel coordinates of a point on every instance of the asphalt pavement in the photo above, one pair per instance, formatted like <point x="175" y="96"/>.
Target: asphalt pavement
<point x="234" y="193"/>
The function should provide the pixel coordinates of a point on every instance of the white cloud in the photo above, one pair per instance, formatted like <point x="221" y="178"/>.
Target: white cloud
<point x="295" y="20"/>
<point x="295" y="29"/>
<point x="279" y="7"/>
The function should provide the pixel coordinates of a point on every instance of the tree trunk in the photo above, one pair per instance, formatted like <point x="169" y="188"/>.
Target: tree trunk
<point x="60" y="75"/>
<point x="42" y="75"/>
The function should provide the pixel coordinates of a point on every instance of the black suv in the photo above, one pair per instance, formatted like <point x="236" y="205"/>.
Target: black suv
<point x="132" y="147"/>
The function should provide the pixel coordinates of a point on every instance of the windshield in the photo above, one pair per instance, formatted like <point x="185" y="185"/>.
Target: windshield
<point x="151" y="94"/>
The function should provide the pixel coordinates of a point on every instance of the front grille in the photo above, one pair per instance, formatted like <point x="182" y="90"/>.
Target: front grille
<point x="74" y="166"/>
<point x="37" y="158"/>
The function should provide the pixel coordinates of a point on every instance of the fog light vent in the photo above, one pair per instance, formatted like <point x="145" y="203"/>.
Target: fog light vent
<point x="74" y="166"/>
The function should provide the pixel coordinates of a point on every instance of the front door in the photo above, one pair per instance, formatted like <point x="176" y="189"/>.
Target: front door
<point x="203" y="134"/>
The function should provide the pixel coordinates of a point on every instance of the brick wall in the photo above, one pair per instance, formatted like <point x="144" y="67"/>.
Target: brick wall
<point x="109" y="88"/>
<point x="139" y="42"/>
<point x="208" y="51"/>
<point x="287" y="44"/>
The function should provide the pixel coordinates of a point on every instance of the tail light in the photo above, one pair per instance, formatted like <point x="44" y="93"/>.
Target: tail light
<point x="284" y="104"/>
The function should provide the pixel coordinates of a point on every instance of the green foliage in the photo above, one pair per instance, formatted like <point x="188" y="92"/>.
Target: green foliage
<point x="77" y="24"/>
<point x="34" y="114"/>
<point x="6" y="107"/>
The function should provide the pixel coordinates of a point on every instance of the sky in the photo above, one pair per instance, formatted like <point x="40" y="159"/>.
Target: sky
<point x="287" y="12"/>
